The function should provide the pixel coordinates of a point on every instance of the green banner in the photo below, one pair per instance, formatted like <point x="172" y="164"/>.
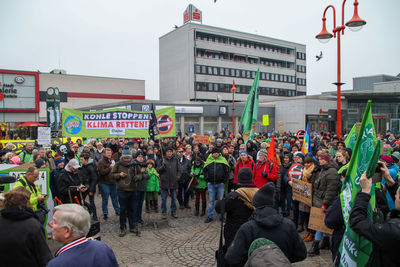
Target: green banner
<point x="116" y="123"/>
<point x="354" y="249"/>
<point x="351" y="138"/>
<point x="166" y="123"/>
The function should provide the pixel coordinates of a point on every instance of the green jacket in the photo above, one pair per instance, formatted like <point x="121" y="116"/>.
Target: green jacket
<point x="127" y="183"/>
<point x="198" y="174"/>
<point x="153" y="184"/>
<point x="35" y="191"/>
<point x="25" y="156"/>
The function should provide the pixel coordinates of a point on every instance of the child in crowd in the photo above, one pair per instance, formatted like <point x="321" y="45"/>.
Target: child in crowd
<point x="200" y="186"/>
<point x="153" y="187"/>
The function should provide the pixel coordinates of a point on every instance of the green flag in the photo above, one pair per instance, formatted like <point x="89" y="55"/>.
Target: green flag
<point x="350" y="140"/>
<point x="355" y="250"/>
<point x="250" y="112"/>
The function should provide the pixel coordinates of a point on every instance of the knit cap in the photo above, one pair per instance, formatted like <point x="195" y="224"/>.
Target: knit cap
<point x="126" y="153"/>
<point x="264" y="152"/>
<point x="264" y="196"/>
<point x="245" y="176"/>
<point x="259" y="242"/>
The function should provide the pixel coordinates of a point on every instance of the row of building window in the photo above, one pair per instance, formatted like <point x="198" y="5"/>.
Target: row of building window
<point x="301" y="68"/>
<point x="247" y="74"/>
<point x="301" y="55"/>
<point x="243" y="58"/>
<point x="243" y="43"/>
<point x="244" y="89"/>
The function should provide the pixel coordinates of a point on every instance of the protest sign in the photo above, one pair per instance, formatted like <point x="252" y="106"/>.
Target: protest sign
<point x="202" y="139"/>
<point x="295" y="171"/>
<point x="317" y="221"/>
<point x="44" y="135"/>
<point x="302" y="192"/>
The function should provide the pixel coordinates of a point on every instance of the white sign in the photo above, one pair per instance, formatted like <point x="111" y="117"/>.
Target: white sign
<point x="117" y="131"/>
<point x="41" y="182"/>
<point x="44" y="135"/>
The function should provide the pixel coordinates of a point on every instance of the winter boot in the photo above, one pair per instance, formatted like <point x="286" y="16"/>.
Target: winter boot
<point x="306" y="236"/>
<point x="197" y="206"/>
<point x="324" y="243"/>
<point x="309" y="238"/>
<point x="203" y="208"/>
<point x="314" y="249"/>
<point x="155" y="203"/>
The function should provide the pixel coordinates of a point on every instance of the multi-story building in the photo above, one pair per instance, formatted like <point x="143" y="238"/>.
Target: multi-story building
<point x="199" y="62"/>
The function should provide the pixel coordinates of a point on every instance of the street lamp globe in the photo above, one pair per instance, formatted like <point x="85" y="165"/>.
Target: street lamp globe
<point x="324" y="36"/>
<point x="356" y="23"/>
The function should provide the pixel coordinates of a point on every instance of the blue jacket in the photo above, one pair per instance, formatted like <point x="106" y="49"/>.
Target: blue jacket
<point x="92" y="253"/>
<point x="393" y="170"/>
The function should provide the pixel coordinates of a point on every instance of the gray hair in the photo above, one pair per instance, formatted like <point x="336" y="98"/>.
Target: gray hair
<point x="75" y="217"/>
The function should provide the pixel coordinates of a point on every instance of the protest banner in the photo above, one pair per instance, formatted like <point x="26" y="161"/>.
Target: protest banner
<point x="18" y="145"/>
<point x="117" y="123"/>
<point x="317" y="221"/>
<point x="302" y="191"/>
<point x="202" y="139"/>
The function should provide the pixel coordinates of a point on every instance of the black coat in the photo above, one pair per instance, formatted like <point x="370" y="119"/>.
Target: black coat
<point x="88" y="176"/>
<point x="237" y="213"/>
<point x="216" y="173"/>
<point x="170" y="172"/>
<point x="385" y="237"/>
<point x="266" y="222"/>
<point x="22" y="241"/>
<point x="334" y="220"/>
<point x="186" y="167"/>
<point x="66" y="180"/>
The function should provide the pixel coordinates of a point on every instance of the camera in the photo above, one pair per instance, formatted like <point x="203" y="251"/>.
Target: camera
<point x="264" y="174"/>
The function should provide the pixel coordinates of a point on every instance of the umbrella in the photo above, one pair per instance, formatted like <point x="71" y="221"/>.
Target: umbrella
<point x="30" y="123"/>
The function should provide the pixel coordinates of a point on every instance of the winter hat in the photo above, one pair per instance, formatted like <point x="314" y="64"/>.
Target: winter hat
<point x="299" y="154"/>
<point x="263" y="152"/>
<point x="179" y="149"/>
<point x="58" y="160"/>
<point x="245" y="176"/>
<point x="324" y="156"/>
<point x="264" y="196"/>
<point x="243" y="151"/>
<point x="396" y="155"/>
<point x="139" y="153"/>
<point x="259" y="242"/>
<point x="287" y="146"/>
<point x="263" y="145"/>
<point x="386" y="158"/>
<point x="39" y="162"/>
<point x="15" y="160"/>
<point x="215" y="150"/>
<point x="126" y="153"/>
<point x="74" y="164"/>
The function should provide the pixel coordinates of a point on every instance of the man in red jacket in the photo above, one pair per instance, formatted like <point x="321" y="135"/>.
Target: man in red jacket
<point x="264" y="171"/>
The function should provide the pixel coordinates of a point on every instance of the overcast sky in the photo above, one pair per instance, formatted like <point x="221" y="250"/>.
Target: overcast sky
<point x="120" y="38"/>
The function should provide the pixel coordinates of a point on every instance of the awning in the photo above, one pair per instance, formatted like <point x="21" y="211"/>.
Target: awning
<point x="30" y="124"/>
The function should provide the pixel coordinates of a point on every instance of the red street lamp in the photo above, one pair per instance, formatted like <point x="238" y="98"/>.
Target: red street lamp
<point x="324" y="36"/>
<point x="233" y="90"/>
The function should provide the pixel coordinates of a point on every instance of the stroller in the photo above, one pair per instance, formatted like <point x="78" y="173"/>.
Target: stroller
<point x="94" y="231"/>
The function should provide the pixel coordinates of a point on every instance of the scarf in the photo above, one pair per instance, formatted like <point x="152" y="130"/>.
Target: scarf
<point x="220" y="159"/>
<point x="307" y="172"/>
<point x="246" y="195"/>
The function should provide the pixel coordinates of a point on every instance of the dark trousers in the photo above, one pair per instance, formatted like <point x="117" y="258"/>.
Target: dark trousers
<point x="93" y="207"/>
<point x="139" y="205"/>
<point x="127" y="205"/>
<point x="183" y="195"/>
<point x="200" y="193"/>
<point x="296" y="212"/>
<point x="286" y="197"/>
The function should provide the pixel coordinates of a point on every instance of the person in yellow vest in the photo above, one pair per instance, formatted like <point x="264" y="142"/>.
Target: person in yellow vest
<point x="28" y="181"/>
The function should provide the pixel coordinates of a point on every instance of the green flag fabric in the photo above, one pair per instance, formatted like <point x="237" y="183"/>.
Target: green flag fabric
<point x="354" y="249"/>
<point x="250" y="111"/>
<point x="350" y="140"/>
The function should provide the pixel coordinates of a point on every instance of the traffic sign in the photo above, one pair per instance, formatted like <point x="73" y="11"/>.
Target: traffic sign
<point x="300" y="135"/>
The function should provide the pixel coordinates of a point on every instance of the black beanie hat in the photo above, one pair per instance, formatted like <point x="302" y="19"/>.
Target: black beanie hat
<point x="264" y="196"/>
<point x="245" y="176"/>
<point x="215" y="150"/>
<point x="39" y="162"/>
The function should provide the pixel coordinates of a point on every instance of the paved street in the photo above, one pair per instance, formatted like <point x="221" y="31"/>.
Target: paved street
<point x="185" y="241"/>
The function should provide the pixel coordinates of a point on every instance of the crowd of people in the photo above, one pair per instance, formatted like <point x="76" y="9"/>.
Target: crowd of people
<point x="251" y="194"/>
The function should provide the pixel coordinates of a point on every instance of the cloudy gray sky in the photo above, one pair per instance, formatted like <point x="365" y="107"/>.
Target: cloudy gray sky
<point x="119" y="38"/>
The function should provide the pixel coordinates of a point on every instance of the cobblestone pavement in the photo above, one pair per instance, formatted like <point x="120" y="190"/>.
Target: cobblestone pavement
<point x="185" y="241"/>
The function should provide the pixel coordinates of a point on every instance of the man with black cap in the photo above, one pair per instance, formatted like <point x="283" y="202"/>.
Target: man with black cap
<point x="266" y="222"/>
<point x="237" y="205"/>
<point x="170" y="171"/>
<point x="216" y="172"/>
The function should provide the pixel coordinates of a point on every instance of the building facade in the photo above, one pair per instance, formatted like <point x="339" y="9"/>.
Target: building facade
<point x="199" y="62"/>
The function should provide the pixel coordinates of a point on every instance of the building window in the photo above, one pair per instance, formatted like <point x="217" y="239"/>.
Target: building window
<point x="226" y="72"/>
<point x="203" y="69"/>
<point x="210" y="70"/>
<point x="221" y="71"/>
<point x="215" y="71"/>
<point x="198" y="69"/>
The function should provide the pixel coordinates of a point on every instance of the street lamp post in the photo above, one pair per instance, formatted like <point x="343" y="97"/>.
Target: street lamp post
<point x="324" y="36"/>
<point x="233" y="90"/>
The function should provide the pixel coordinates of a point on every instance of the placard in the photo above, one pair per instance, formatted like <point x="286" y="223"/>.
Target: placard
<point x="44" y="135"/>
<point x="295" y="171"/>
<point x="317" y="221"/>
<point x="302" y="191"/>
<point x="202" y="139"/>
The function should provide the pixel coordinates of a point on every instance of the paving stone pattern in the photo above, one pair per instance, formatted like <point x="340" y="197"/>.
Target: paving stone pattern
<point x="185" y="241"/>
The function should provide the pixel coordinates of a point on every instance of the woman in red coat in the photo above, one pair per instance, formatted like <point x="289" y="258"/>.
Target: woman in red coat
<point x="243" y="161"/>
<point x="264" y="171"/>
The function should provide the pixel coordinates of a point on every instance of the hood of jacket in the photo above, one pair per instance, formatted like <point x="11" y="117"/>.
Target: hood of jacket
<point x="330" y="164"/>
<point x="267" y="217"/>
<point x="125" y="164"/>
<point x="16" y="214"/>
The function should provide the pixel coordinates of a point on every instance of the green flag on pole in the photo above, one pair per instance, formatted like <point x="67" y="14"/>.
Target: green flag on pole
<point x="350" y="140"/>
<point x="250" y="112"/>
<point x="355" y="250"/>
